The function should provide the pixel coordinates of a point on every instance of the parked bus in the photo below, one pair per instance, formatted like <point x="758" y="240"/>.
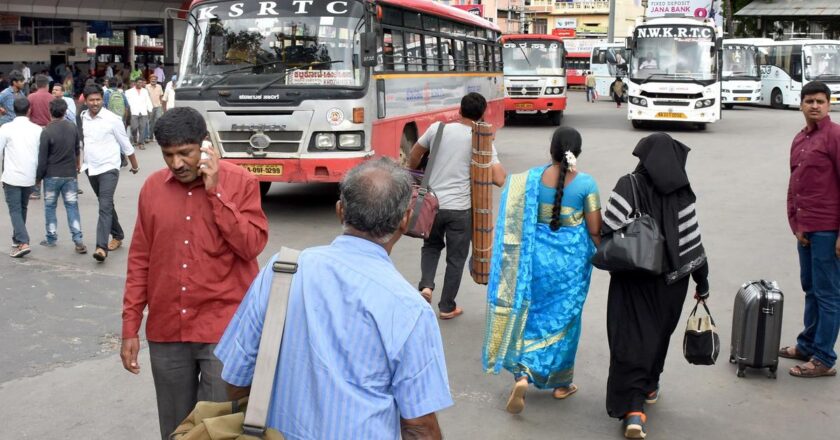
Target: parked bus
<point x="118" y="55"/>
<point x="740" y="74"/>
<point x="305" y="91"/>
<point x="535" y="75"/>
<point x="788" y="65"/>
<point x="608" y="61"/>
<point x="577" y="64"/>
<point x="674" y="72"/>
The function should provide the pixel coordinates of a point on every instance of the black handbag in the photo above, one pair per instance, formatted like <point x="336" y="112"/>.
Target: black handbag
<point x="701" y="344"/>
<point x="637" y="247"/>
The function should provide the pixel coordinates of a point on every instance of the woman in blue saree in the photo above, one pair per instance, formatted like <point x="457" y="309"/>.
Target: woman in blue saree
<point x="549" y="223"/>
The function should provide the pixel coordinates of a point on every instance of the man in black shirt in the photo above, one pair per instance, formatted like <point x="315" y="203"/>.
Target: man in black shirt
<point x="58" y="163"/>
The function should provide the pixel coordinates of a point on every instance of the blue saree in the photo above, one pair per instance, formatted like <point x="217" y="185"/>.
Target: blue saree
<point x="539" y="280"/>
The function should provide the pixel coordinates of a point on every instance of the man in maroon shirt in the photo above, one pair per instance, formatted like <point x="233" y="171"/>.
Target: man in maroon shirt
<point x="200" y="227"/>
<point x="814" y="214"/>
<point x="39" y="104"/>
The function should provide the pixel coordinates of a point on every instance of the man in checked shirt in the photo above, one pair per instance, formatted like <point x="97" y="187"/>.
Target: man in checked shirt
<point x="200" y="227"/>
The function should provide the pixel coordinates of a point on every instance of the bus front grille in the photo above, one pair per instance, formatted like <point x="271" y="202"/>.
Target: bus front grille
<point x="524" y="91"/>
<point x="281" y="141"/>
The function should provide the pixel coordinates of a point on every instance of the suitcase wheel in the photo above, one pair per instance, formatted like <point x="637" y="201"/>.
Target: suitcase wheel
<point x="742" y="371"/>
<point x="731" y="359"/>
<point x="772" y="373"/>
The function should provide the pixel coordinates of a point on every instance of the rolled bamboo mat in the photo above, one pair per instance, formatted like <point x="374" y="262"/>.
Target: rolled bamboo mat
<point x="481" y="179"/>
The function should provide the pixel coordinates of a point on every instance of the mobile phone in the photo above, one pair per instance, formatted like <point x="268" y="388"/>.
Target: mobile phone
<point x="204" y="155"/>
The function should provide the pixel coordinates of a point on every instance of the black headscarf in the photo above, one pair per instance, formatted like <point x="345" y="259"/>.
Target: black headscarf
<point x="662" y="162"/>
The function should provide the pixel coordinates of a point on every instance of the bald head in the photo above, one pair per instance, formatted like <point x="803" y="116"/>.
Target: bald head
<point x="375" y="197"/>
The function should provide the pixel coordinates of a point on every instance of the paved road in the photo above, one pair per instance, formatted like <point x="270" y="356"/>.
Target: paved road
<point x="60" y="313"/>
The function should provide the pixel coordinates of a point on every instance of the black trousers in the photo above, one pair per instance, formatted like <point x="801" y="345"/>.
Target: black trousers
<point x="452" y="230"/>
<point x="184" y="373"/>
<point x="105" y="186"/>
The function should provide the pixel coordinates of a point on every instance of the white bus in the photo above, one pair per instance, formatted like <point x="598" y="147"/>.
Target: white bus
<point x="788" y="65"/>
<point x="674" y="72"/>
<point x="608" y="61"/>
<point x="740" y="74"/>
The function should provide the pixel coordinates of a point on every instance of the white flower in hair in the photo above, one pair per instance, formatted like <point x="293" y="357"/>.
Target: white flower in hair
<point x="571" y="161"/>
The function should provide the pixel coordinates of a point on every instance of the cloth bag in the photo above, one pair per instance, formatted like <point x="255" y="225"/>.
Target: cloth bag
<point x="245" y="419"/>
<point x="637" y="246"/>
<point x="701" y="344"/>
<point x="424" y="200"/>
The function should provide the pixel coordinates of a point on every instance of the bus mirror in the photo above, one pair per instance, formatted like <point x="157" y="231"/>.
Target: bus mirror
<point x="368" y="42"/>
<point x="630" y="43"/>
<point x="808" y="61"/>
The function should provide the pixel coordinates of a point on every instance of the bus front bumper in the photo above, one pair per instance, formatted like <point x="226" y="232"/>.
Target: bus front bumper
<point x="674" y="114"/>
<point x="740" y="98"/>
<point x="299" y="170"/>
<point x="530" y="105"/>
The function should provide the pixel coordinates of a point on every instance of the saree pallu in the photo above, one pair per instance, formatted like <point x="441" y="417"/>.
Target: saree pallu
<point x="539" y="281"/>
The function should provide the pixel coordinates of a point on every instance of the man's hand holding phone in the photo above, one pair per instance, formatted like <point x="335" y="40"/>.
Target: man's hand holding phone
<point x="208" y="166"/>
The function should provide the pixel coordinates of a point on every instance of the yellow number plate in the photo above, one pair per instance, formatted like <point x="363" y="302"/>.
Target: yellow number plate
<point x="833" y="99"/>
<point x="264" y="170"/>
<point x="525" y="105"/>
<point x="671" y="115"/>
<point x="741" y="98"/>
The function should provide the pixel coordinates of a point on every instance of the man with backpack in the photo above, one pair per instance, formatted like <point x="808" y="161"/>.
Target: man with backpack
<point x="115" y="100"/>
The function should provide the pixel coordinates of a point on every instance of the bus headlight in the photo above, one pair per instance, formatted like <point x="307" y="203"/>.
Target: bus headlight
<point x="350" y="141"/>
<point x="635" y="100"/>
<point x="325" y="141"/>
<point x="704" y="103"/>
<point x="554" y="90"/>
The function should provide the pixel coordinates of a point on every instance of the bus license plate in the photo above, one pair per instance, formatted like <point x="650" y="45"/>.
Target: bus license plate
<point x="742" y="98"/>
<point x="264" y="170"/>
<point x="671" y="115"/>
<point x="835" y="99"/>
<point x="525" y="106"/>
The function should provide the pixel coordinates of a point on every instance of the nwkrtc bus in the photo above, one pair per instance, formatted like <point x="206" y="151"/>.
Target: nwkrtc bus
<point x="535" y="75"/>
<point x="674" y="72"/>
<point x="740" y="74"/>
<point x="304" y="91"/>
<point x="788" y="65"/>
<point x="608" y="61"/>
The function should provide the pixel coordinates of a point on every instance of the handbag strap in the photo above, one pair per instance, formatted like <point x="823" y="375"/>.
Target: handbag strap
<point x="705" y="306"/>
<point x="635" y="186"/>
<point x="432" y="154"/>
<point x="262" y="386"/>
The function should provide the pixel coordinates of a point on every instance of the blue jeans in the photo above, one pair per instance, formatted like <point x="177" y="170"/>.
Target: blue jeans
<point x="17" y="198"/>
<point x="590" y="94"/>
<point x="68" y="188"/>
<point x="820" y="275"/>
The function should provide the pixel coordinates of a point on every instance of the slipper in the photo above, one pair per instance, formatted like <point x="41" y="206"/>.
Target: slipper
<point x="453" y="314"/>
<point x="816" y="369"/>
<point x="427" y="294"/>
<point x="516" y="401"/>
<point x="569" y="390"/>
<point x="791" y="352"/>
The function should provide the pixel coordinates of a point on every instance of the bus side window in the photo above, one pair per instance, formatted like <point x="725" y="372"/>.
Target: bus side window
<point x="460" y="56"/>
<point x="434" y="63"/>
<point x="471" y="59"/>
<point x="413" y="52"/>
<point x="393" y="48"/>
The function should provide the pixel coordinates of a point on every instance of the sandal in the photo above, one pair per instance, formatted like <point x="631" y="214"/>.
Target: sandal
<point x="812" y="368"/>
<point x="426" y="293"/>
<point x="565" y="391"/>
<point x="516" y="401"/>
<point x="791" y="352"/>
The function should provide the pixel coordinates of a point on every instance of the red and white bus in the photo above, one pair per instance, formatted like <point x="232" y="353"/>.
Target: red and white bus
<point x="535" y="75"/>
<point x="577" y="64"/>
<point x="304" y="91"/>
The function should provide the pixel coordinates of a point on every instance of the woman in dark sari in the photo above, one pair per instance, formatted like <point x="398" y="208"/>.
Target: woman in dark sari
<point x="643" y="310"/>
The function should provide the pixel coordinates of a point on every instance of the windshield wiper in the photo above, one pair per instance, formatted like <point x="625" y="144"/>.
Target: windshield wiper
<point x="525" y="55"/>
<point x="287" y="72"/>
<point x="227" y="73"/>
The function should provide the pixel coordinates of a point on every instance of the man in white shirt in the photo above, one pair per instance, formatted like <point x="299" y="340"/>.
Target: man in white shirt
<point x="19" y="143"/>
<point x="104" y="139"/>
<point x="169" y="94"/>
<point x="140" y="105"/>
<point x="27" y="76"/>
<point x="450" y="179"/>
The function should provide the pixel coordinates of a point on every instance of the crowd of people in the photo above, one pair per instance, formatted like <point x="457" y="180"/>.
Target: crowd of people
<point x="362" y="353"/>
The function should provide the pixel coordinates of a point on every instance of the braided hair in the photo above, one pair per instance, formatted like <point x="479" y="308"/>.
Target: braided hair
<point x="565" y="139"/>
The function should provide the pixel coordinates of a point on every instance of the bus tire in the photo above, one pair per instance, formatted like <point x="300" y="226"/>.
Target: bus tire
<point x="728" y="106"/>
<point x="556" y="117"/>
<point x="702" y="126"/>
<point x="409" y="137"/>
<point x="776" y="100"/>
<point x="264" y="187"/>
<point x="637" y="124"/>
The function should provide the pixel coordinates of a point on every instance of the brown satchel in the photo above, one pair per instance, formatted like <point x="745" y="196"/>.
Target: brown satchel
<point x="238" y="420"/>
<point x="423" y="199"/>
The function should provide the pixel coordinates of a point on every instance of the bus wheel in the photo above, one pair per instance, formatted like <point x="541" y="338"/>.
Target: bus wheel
<point x="776" y="99"/>
<point x="637" y="124"/>
<point x="728" y="106"/>
<point x="701" y="126"/>
<point x="264" y="187"/>
<point x="556" y="117"/>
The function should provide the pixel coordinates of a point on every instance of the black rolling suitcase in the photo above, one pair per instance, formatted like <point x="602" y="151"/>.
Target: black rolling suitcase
<point x="757" y="326"/>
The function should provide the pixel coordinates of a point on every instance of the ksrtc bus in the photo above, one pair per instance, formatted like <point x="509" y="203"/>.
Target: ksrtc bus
<point x="535" y="75"/>
<point x="577" y="64"/>
<point x="788" y="65"/>
<point x="674" y="72"/>
<point x="608" y="61"/>
<point x="740" y="74"/>
<point x="305" y="91"/>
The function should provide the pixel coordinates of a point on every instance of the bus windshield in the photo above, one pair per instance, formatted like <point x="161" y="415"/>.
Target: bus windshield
<point x="740" y="62"/>
<point x="674" y="53"/>
<point x="534" y="58"/>
<point x="822" y="62"/>
<point x="246" y="44"/>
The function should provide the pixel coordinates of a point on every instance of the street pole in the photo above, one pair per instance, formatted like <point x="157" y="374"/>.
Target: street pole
<point x="611" y="24"/>
<point x="522" y="20"/>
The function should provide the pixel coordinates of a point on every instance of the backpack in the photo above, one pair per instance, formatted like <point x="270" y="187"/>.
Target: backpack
<point x="116" y="103"/>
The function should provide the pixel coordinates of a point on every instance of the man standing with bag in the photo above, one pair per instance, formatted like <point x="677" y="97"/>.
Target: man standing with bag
<point x="449" y="170"/>
<point x="814" y="214"/>
<point x="190" y="263"/>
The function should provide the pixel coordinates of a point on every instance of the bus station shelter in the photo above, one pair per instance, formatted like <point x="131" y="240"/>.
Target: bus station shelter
<point x="789" y="19"/>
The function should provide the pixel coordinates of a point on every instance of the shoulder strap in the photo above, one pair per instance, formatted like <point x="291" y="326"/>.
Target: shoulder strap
<point x="635" y="185"/>
<point x="432" y="154"/>
<point x="262" y="386"/>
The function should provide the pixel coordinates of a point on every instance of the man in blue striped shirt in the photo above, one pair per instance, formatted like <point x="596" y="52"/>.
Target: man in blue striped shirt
<point x="362" y="356"/>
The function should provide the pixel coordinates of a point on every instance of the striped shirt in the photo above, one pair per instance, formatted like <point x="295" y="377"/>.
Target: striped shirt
<point x="361" y="348"/>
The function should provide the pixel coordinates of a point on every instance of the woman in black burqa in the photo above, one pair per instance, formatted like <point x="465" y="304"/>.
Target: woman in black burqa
<point x="643" y="310"/>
